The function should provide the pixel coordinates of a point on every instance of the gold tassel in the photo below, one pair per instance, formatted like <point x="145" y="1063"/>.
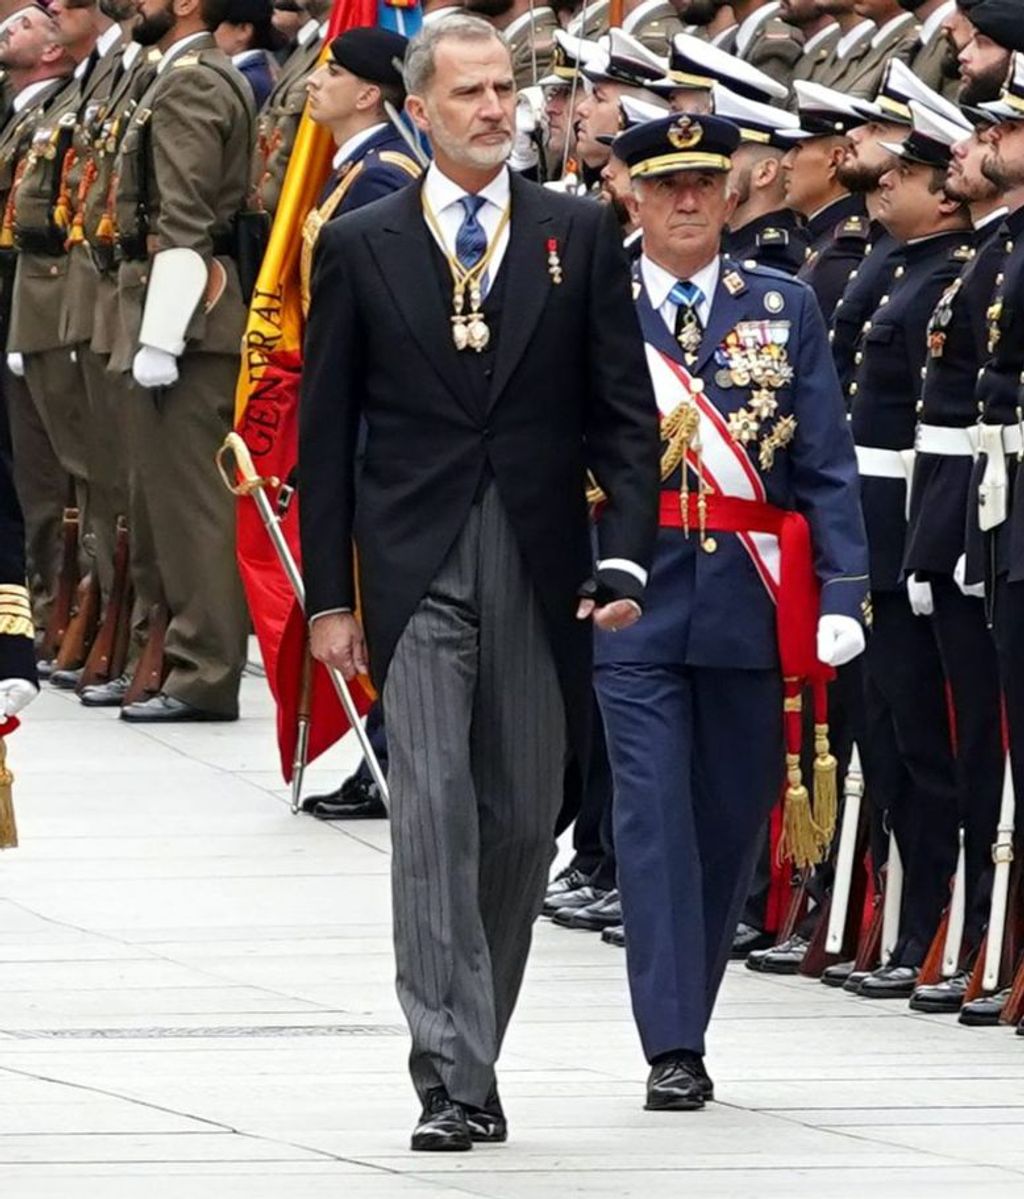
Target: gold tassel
<point x="826" y="787"/>
<point x="105" y="233"/>
<point x="8" y="828"/>
<point x="800" y="842"/>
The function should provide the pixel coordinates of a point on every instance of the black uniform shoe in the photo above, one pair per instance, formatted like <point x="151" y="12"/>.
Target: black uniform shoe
<point x="443" y="1127"/>
<point x="65" y="680"/>
<point x="569" y="879"/>
<point x="357" y="799"/>
<point x="45" y="667"/>
<point x="487" y="1124"/>
<point x="570" y="900"/>
<point x="890" y="982"/>
<point x="746" y="939"/>
<point x="165" y="709"/>
<point x="836" y="976"/>
<point x="1020" y="1029"/>
<point x="984" y="1012"/>
<point x="615" y="936"/>
<point x="854" y="979"/>
<point x="678" y="1084"/>
<point x="784" y="958"/>
<point x="106" y="695"/>
<point x="946" y="996"/>
<point x="595" y="917"/>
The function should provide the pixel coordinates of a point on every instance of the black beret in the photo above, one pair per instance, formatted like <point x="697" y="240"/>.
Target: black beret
<point x="371" y="53"/>
<point x="1000" y="20"/>
<point x="252" y="12"/>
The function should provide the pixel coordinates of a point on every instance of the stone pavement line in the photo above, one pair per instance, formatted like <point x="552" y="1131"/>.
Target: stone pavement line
<point x="196" y="1000"/>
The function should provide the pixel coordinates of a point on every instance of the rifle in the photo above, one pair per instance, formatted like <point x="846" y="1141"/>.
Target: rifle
<point x="150" y="670"/>
<point x="1002" y="856"/>
<point x="892" y="903"/>
<point x="943" y="957"/>
<point x="67" y="582"/>
<point x="74" y="646"/>
<point x="100" y="665"/>
<point x="846" y="854"/>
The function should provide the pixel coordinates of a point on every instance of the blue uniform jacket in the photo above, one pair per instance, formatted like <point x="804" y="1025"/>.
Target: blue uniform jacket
<point x="374" y="170"/>
<point x="711" y="609"/>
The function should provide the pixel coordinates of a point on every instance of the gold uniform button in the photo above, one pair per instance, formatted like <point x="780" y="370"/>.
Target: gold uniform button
<point x="853" y="389"/>
<point x="858" y="358"/>
<point x="900" y="272"/>
<point x="710" y="545"/>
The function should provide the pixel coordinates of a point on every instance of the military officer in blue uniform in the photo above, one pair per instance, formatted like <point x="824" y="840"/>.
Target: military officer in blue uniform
<point x="758" y="469"/>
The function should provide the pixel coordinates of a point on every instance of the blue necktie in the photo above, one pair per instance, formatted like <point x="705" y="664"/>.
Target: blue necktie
<point x="688" y="327"/>
<point x="686" y="294"/>
<point x="471" y="240"/>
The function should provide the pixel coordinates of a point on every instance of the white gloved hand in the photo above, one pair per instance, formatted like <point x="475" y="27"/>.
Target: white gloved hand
<point x="16" y="365"/>
<point x="922" y="603"/>
<point x="971" y="590"/>
<point x="840" y="639"/>
<point x="16" y="694"/>
<point x="529" y="118"/>
<point x="154" y="368"/>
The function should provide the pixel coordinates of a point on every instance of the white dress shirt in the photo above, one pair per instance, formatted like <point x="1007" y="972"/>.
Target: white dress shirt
<point x="445" y="201"/>
<point x="659" y="282"/>
<point x="902" y="21"/>
<point x="30" y="91"/>
<point x="849" y="40"/>
<point x="749" y="27"/>
<point x="348" y="147"/>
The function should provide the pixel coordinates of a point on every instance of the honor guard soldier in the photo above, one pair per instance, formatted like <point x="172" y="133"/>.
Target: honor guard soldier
<point x="753" y="432"/>
<point x="905" y="691"/>
<point x="855" y="36"/>
<point x="182" y="170"/>
<point x="821" y="34"/>
<point x="654" y="23"/>
<point x="247" y="35"/>
<point x="929" y="56"/>
<point x="563" y="91"/>
<point x="280" y="115"/>
<point x="530" y="35"/>
<point x="837" y="221"/>
<point x="36" y="67"/>
<point x="762" y="229"/>
<point x="694" y="67"/>
<point x="943" y="465"/>
<point x="765" y="40"/>
<point x="896" y="33"/>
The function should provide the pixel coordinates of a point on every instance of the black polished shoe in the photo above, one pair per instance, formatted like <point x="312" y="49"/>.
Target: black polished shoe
<point x="945" y="996"/>
<point x="984" y="1012"/>
<point x="595" y="917"/>
<point x="890" y="982"/>
<point x="836" y="975"/>
<point x="165" y="709"/>
<point x="569" y="879"/>
<point x="443" y="1127"/>
<point x="487" y="1124"/>
<point x="854" y="980"/>
<point x="678" y="1084"/>
<point x="784" y="958"/>
<point x="569" y="900"/>
<point x="106" y="695"/>
<point x="615" y="936"/>
<point x="747" y="939"/>
<point x="45" y="667"/>
<point x="65" y="680"/>
<point x="358" y="799"/>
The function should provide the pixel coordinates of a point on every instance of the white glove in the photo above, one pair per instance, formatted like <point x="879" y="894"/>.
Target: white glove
<point x="529" y="118"/>
<point x="922" y="602"/>
<point x="971" y="590"/>
<point x="154" y="368"/>
<point x="16" y="365"/>
<point x="840" y="639"/>
<point x="16" y="694"/>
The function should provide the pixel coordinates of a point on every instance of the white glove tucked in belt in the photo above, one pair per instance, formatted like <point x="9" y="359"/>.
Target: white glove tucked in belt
<point x="971" y="590"/>
<point x="16" y="694"/>
<point x="922" y="603"/>
<point x="16" y="365"/>
<point x="840" y="639"/>
<point x="154" y="368"/>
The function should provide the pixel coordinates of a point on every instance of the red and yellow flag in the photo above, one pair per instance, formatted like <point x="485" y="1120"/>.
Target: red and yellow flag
<point x="267" y="418"/>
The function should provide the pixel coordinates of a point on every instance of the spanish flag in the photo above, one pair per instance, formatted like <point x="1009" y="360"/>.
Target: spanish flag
<point x="267" y="418"/>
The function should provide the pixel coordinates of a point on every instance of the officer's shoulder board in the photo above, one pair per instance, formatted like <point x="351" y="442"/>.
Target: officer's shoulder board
<point x="854" y="228"/>
<point x="772" y="236"/>
<point x="186" y="60"/>
<point x="395" y="158"/>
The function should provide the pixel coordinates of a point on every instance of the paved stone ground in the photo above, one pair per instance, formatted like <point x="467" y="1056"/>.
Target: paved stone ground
<point x="196" y="1001"/>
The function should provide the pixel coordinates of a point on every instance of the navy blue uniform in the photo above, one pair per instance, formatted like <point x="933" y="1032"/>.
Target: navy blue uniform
<point x="867" y="282"/>
<point x="839" y="238"/>
<point x="776" y="239"/>
<point x="692" y="695"/>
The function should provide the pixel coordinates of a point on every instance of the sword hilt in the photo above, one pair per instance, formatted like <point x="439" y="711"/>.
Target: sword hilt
<point x="250" y="480"/>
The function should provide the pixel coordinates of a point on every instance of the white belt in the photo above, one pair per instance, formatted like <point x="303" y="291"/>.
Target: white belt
<point x="874" y="463"/>
<point x="938" y="439"/>
<point x="1013" y="439"/>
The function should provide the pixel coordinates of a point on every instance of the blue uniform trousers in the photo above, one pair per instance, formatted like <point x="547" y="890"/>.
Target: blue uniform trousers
<point x="697" y="762"/>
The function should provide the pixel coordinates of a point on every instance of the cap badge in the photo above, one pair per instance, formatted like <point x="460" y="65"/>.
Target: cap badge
<point x="684" y="134"/>
<point x="774" y="302"/>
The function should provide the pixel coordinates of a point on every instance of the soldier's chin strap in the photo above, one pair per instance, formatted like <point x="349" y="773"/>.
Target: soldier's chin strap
<point x="177" y="283"/>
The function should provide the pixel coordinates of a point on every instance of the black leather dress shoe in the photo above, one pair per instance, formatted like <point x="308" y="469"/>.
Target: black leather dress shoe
<point x="106" y="695"/>
<point x="569" y="879"/>
<point x="784" y="958"/>
<point x="854" y="980"/>
<point x="837" y="974"/>
<point x="65" y="680"/>
<point x="358" y="799"/>
<point x="984" y="1012"/>
<point x="570" y="900"/>
<point x="595" y="917"/>
<point x="165" y="709"/>
<point x="45" y="667"/>
<point x="487" y="1124"/>
<point x="615" y="936"/>
<point x="946" y="996"/>
<point x="443" y="1127"/>
<point x="747" y="939"/>
<point x="891" y="982"/>
<point x="678" y="1084"/>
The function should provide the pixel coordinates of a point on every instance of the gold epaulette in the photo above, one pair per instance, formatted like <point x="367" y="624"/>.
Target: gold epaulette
<point x="186" y="60"/>
<point x="396" y="158"/>
<point x="15" y="611"/>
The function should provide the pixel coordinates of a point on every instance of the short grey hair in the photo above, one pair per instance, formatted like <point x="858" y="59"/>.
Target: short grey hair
<point x="421" y="54"/>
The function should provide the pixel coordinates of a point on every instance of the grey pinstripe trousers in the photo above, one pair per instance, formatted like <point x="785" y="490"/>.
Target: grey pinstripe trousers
<point x="476" y="745"/>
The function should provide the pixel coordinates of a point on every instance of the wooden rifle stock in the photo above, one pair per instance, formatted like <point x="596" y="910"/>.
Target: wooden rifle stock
<point x="101" y="666"/>
<point x="149" y="671"/>
<point x="74" y="647"/>
<point x="797" y="908"/>
<point x="67" y="582"/>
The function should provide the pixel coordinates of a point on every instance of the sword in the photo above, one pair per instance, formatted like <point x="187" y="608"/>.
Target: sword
<point x="254" y="486"/>
<point x="1002" y="856"/>
<point x="853" y="794"/>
